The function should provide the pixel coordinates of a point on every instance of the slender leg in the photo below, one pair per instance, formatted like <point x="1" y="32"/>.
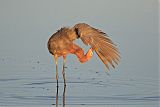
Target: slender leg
<point x="63" y="70"/>
<point x="56" y="61"/>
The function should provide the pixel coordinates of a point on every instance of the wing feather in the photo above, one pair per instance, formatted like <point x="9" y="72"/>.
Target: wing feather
<point x="100" y="42"/>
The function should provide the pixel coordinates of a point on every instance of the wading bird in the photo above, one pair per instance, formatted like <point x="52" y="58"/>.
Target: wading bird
<point x="62" y="43"/>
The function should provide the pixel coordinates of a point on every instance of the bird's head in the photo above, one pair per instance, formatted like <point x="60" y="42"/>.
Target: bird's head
<point x="89" y="53"/>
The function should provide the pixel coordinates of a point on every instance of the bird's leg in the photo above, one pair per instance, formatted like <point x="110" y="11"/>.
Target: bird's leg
<point x="56" y="61"/>
<point x="63" y="70"/>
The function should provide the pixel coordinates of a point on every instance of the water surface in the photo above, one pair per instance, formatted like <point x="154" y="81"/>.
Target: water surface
<point x="33" y="84"/>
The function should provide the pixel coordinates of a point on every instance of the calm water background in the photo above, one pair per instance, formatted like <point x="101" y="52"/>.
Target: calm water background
<point x="27" y="71"/>
<point x="33" y="83"/>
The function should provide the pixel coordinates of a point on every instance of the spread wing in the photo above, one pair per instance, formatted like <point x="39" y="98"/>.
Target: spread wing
<point x="100" y="42"/>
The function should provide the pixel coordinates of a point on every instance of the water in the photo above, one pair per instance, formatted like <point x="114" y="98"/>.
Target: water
<point x="33" y="84"/>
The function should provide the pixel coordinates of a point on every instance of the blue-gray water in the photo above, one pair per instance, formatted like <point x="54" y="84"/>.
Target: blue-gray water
<point x="32" y="83"/>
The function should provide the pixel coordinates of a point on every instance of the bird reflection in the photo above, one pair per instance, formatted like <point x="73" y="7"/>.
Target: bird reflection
<point x="64" y="97"/>
<point x="57" y="98"/>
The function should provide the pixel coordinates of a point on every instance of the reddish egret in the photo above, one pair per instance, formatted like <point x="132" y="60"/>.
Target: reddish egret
<point x="62" y="43"/>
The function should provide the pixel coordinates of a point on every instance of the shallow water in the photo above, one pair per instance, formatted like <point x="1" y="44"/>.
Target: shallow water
<point x="32" y="84"/>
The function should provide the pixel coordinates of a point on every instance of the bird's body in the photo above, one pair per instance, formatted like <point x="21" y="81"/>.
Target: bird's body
<point x="62" y="43"/>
